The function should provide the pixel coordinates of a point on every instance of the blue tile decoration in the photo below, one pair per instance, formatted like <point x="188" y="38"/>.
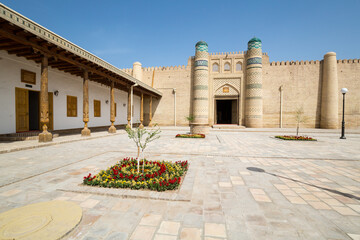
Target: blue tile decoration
<point x="255" y="60"/>
<point x="201" y="46"/>
<point x="254" y="43"/>
<point x="201" y="63"/>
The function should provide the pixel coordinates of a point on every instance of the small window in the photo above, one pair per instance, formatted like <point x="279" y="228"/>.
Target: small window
<point x="227" y="67"/>
<point x="71" y="103"/>
<point x="238" y="66"/>
<point x="215" y="67"/>
<point x="97" y="108"/>
<point x="28" y="77"/>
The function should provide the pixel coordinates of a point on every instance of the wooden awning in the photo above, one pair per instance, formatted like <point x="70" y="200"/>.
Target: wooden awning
<point x="25" y="38"/>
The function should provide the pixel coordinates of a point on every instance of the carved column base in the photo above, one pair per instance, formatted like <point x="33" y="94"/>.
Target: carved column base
<point x="128" y="125"/>
<point x="45" y="136"/>
<point x="112" y="129"/>
<point x="141" y="126"/>
<point x="85" y="132"/>
<point x="150" y="124"/>
<point x="199" y="128"/>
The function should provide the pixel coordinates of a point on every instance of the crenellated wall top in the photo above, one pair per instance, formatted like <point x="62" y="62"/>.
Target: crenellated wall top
<point x="159" y="68"/>
<point x="220" y="54"/>
<point x="311" y="62"/>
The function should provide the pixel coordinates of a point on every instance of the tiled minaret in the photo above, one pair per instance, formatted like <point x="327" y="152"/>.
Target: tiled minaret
<point x="201" y="89"/>
<point x="253" y="98"/>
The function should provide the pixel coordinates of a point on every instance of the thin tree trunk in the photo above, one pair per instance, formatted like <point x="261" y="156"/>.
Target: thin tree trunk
<point x="297" y="130"/>
<point x="138" y="161"/>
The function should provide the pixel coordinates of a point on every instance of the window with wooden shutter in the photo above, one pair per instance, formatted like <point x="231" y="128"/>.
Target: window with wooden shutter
<point x="28" y="77"/>
<point x="97" y="108"/>
<point x="71" y="103"/>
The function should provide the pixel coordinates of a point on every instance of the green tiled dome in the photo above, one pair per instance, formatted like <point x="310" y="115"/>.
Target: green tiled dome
<point x="254" y="39"/>
<point x="254" y="43"/>
<point x="201" y="43"/>
<point x="201" y="46"/>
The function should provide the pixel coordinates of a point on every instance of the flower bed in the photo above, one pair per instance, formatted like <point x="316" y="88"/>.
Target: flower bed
<point x="158" y="175"/>
<point x="296" y="138"/>
<point x="190" y="136"/>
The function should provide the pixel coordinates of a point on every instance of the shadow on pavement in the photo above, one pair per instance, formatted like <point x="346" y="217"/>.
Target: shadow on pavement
<point x="260" y="170"/>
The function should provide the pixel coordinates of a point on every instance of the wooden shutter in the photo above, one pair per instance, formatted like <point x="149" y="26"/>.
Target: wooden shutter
<point x="28" y="77"/>
<point x="71" y="104"/>
<point x="97" y="108"/>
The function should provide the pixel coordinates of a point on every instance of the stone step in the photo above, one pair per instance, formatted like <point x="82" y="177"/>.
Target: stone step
<point x="227" y="126"/>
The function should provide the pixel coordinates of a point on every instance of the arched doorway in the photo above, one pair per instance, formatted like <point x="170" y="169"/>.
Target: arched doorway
<point x="226" y="105"/>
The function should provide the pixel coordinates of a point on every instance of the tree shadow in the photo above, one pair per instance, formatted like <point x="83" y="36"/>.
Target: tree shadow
<point x="260" y="170"/>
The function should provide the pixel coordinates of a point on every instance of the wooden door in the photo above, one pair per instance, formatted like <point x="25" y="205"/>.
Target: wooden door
<point x="22" y="109"/>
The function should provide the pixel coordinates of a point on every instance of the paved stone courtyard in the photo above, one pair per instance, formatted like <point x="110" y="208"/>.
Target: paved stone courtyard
<point x="240" y="185"/>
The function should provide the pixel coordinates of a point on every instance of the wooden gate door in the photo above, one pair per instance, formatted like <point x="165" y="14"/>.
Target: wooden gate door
<point x="22" y="109"/>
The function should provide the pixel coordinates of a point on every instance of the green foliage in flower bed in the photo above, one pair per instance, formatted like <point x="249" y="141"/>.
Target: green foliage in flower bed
<point x="190" y="136"/>
<point x="296" y="138"/>
<point x="156" y="175"/>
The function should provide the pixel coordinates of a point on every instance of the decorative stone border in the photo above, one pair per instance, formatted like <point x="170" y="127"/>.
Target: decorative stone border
<point x="183" y="194"/>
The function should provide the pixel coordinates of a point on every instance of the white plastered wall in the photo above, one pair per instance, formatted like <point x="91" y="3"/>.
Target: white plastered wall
<point x="66" y="84"/>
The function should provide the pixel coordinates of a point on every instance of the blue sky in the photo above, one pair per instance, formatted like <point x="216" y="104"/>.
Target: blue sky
<point x="164" y="33"/>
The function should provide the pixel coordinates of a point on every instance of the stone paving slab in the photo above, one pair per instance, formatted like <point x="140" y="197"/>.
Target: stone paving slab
<point x="243" y="185"/>
<point x="6" y="147"/>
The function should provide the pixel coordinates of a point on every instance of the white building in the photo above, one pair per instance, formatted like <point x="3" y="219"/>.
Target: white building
<point x="33" y="59"/>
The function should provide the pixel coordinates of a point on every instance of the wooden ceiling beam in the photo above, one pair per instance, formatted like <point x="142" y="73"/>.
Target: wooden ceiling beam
<point x="13" y="47"/>
<point x="59" y="65"/>
<point x="20" y="51"/>
<point x="68" y="68"/>
<point x="58" y="54"/>
<point x="33" y="57"/>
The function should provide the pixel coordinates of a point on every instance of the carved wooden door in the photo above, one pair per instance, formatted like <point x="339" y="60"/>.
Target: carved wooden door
<point x="22" y="109"/>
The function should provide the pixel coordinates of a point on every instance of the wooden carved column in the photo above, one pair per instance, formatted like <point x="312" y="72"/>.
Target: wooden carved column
<point x="86" y="131"/>
<point x="45" y="136"/>
<point x="112" y="128"/>
<point x="142" y="111"/>
<point x="150" y="112"/>
<point x="129" y="109"/>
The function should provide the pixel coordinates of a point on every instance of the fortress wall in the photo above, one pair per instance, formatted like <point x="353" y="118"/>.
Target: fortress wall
<point x="301" y="83"/>
<point x="349" y="77"/>
<point x="167" y="78"/>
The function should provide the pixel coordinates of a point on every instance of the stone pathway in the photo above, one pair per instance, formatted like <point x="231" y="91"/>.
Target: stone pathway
<point x="240" y="185"/>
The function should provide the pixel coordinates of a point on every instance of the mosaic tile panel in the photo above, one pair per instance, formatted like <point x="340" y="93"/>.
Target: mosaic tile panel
<point x="254" y="45"/>
<point x="253" y="85"/>
<point x="202" y="48"/>
<point x="254" y="60"/>
<point x="201" y="63"/>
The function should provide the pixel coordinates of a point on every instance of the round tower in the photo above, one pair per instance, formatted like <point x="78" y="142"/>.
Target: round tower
<point x="329" y="93"/>
<point x="137" y="71"/>
<point x="201" y="92"/>
<point x="253" y="98"/>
